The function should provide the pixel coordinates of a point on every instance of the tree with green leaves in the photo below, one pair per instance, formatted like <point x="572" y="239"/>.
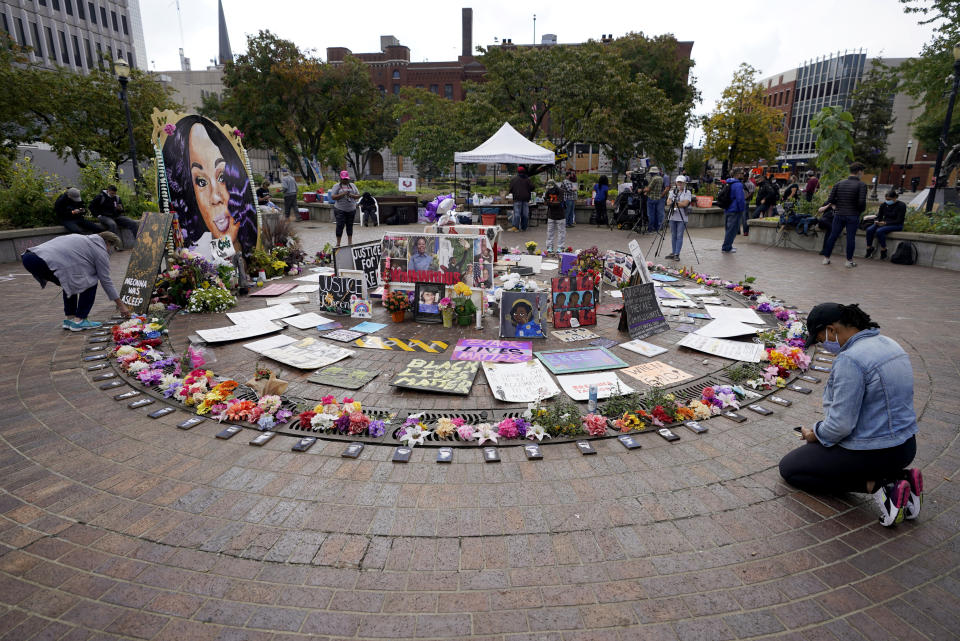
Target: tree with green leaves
<point x="833" y="130"/>
<point x="741" y="129"/>
<point x="431" y="130"/>
<point x="872" y="110"/>
<point x="926" y="77"/>
<point x="375" y="128"/>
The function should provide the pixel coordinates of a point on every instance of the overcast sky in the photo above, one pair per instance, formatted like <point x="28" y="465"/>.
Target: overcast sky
<point x="763" y="34"/>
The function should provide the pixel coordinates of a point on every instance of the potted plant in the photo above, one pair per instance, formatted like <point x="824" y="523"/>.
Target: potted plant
<point x="446" y="311"/>
<point x="463" y="305"/>
<point x="397" y="304"/>
<point x="531" y="247"/>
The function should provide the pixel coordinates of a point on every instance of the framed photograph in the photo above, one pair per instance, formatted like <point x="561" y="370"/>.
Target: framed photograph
<point x="426" y="309"/>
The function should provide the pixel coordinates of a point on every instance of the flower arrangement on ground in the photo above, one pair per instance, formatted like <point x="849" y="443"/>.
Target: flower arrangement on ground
<point x="396" y="302"/>
<point x="462" y="302"/>
<point x="345" y="416"/>
<point x="188" y="272"/>
<point x="531" y="247"/>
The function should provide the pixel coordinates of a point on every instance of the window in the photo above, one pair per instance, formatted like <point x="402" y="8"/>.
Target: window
<point x="113" y="14"/>
<point x="6" y="25"/>
<point x="86" y="44"/>
<point x="130" y="59"/>
<point x="56" y="5"/>
<point x="77" y="58"/>
<point x="435" y="89"/>
<point x="36" y="39"/>
<point x="51" y="48"/>
<point x="93" y="12"/>
<point x="43" y="3"/>
<point x="396" y="74"/>
<point x="80" y="10"/>
<point x="103" y="16"/>
<point x="123" y="21"/>
<point x="99" y="57"/>
<point x="448" y="91"/>
<point x="23" y="35"/>
<point x="69" y="6"/>
<point x="64" y="52"/>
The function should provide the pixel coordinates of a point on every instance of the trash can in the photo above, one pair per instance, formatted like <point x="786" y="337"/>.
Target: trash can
<point x="304" y="213"/>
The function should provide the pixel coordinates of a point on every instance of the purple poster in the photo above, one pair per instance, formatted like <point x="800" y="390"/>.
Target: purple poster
<point x="587" y="359"/>
<point x="492" y="351"/>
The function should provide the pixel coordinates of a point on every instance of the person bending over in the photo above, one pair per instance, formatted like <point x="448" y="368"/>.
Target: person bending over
<point x="867" y="437"/>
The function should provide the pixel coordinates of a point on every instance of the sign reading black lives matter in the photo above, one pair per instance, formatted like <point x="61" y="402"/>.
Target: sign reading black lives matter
<point x="365" y="257"/>
<point x="642" y="312"/>
<point x="450" y="377"/>
<point x="144" y="263"/>
<point x="336" y="293"/>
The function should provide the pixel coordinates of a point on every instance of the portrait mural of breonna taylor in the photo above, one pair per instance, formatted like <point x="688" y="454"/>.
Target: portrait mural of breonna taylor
<point x="207" y="183"/>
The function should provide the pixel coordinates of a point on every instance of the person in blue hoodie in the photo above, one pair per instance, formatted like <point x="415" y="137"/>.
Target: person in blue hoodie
<point x="733" y="214"/>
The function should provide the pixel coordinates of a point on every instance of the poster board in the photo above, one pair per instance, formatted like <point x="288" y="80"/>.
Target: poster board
<point x="309" y="353"/>
<point x="522" y="314"/>
<point x="574" y="301"/>
<point x="657" y="374"/>
<point x="343" y="376"/>
<point x="337" y="293"/>
<point x="577" y="386"/>
<point x="238" y="332"/>
<point x="436" y="258"/>
<point x="639" y="261"/>
<point x="734" y="350"/>
<point x="447" y="377"/>
<point x="519" y="382"/>
<point x="272" y="312"/>
<point x="617" y="267"/>
<point x="361" y="256"/>
<point x="492" y="351"/>
<point x="141" y="276"/>
<point x="584" y="359"/>
<point x="641" y="312"/>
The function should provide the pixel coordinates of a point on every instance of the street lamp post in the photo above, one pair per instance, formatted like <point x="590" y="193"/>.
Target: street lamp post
<point x="942" y="146"/>
<point x="903" y="167"/>
<point x="122" y="69"/>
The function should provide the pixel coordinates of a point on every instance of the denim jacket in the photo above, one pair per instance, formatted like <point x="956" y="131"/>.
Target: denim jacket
<point x="868" y="399"/>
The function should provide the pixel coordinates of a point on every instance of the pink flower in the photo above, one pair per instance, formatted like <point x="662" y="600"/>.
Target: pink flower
<point x="465" y="432"/>
<point x="238" y="133"/>
<point x="169" y="129"/>
<point x="457" y="422"/>
<point x="328" y="400"/>
<point x="507" y="428"/>
<point x="596" y="425"/>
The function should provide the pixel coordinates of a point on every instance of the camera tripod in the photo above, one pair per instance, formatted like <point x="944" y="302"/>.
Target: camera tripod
<point x="662" y="232"/>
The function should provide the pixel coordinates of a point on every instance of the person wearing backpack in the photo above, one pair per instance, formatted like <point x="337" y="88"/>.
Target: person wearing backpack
<point x="734" y="205"/>
<point x="890" y="217"/>
<point x="556" y="215"/>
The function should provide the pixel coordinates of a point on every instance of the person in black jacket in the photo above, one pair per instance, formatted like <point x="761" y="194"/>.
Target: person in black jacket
<point x="890" y="218"/>
<point x="108" y="209"/>
<point x="69" y="210"/>
<point x="848" y="199"/>
<point x="767" y="197"/>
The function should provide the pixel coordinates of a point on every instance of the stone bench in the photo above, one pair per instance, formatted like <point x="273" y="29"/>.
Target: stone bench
<point x="933" y="250"/>
<point x="13" y="242"/>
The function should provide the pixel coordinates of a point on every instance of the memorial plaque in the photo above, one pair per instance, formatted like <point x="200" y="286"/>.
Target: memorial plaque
<point x="759" y="409"/>
<point x="99" y="339"/>
<point x="94" y="368"/>
<point x="733" y="416"/>
<point x="112" y="384"/>
<point x="191" y="422"/>
<point x="353" y="450"/>
<point x="780" y="401"/>
<point x="143" y="402"/>
<point x="449" y="377"/>
<point x="491" y="455"/>
<point x="695" y="427"/>
<point x="641" y="316"/>
<point x="445" y="455"/>
<point x="585" y="448"/>
<point x="95" y="357"/>
<point x="144" y="265"/>
<point x="304" y="444"/>
<point x="820" y="368"/>
<point x="402" y="454"/>
<point x="819" y="359"/>
<point x="229" y="432"/>
<point x="163" y="411"/>
<point x="95" y="348"/>
<point x="808" y="378"/>
<point x="343" y="376"/>
<point x="629" y="441"/>
<point x="799" y="388"/>
<point x="102" y="332"/>
<point x="103" y="377"/>
<point x="533" y="452"/>
<point x="667" y="434"/>
<point x="263" y="439"/>
<point x="126" y="395"/>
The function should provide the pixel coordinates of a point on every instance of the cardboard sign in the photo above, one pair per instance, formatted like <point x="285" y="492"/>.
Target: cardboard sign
<point x="291" y="300"/>
<point x="144" y="265"/>
<point x="573" y="335"/>
<point x="492" y="351"/>
<point x="361" y="308"/>
<point x="573" y="298"/>
<point x="657" y="374"/>
<point x="343" y="376"/>
<point x="336" y="293"/>
<point x="306" y="321"/>
<point x="519" y="382"/>
<point x="263" y="314"/>
<point x="643" y="348"/>
<point x="577" y="386"/>
<point x="309" y="353"/>
<point x="269" y="343"/>
<point x="400" y="345"/>
<point x="448" y="377"/>
<point x="364" y="257"/>
<point x="747" y="352"/>
<point x="237" y="332"/>
<point x="639" y="262"/>
<point x="521" y="314"/>
<point x="587" y="359"/>
<point x="274" y="289"/>
<point x="642" y="312"/>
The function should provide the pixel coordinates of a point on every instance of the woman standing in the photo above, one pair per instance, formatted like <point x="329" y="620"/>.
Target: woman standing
<point x="345" y="195"/>
<point x="600" y="190"/>
<point x="867" y="437"/>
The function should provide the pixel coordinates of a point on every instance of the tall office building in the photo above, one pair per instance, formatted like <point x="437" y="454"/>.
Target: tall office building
<point x="77" y="34"/>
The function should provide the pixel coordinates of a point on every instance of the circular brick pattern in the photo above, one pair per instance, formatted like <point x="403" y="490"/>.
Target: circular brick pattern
<point x="114" y="525"/>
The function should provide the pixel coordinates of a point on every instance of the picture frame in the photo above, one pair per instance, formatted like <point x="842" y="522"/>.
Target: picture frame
<point x="426" y="304"/>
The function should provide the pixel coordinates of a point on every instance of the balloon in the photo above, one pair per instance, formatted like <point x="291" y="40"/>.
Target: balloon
<point x="431" y="212"/>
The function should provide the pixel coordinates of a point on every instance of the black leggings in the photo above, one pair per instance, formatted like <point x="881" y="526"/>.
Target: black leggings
<point x="600" y="211"/>
<point x="78" y="305"/>
<point x="344" y="218"/>
<point x="815" y="468"/>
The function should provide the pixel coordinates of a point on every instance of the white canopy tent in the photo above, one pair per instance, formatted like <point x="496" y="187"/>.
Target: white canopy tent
<point x="505" y="146"/>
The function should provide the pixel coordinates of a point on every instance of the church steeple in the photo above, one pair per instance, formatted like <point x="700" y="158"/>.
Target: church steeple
<point x="226" y="55"/>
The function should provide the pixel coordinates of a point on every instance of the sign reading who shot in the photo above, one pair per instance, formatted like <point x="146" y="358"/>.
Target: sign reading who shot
<point x="144" y="263"/>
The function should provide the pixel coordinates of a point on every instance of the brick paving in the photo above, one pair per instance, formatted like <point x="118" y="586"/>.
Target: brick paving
<point x="117" y="526"/>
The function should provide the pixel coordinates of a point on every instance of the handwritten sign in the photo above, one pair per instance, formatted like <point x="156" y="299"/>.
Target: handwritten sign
<point x="144" y="265"/>
<point x="448" y="377"/>
<point x="308" y="353"/>
<point x="657" y="374"/>
<point x="567" y="361"/>
<point x="401" y="345"/>
<point x="274" y="290"/>
<point x="642" y="312"/>
<point x="364" y="257"/>
<point x="237" y="332"/>
<point x="337" y="293"/>
<point x="519" y="382"/>
<point x="574" y="335"/>
<point x="748" y="352"/>
<point x="493" y="351"/>
<point x="263" y="314"/>
<point x="343" y="376"/>
<point x="577" y="386"/>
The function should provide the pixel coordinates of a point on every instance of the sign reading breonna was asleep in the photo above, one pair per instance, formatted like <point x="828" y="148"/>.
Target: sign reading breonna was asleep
<point x="144" y="264"/>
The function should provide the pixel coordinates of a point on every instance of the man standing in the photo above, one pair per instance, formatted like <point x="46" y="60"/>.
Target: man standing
<point x="654" y="192"/>
<point x="69" y="209"/>
<point x="569" y="189"/>
<point x="520" y="188"/>
<point x="748" y="188"/>
<point x="734" y="212"/>
<point x="289" y="185"/>
<point x="811" y="187"/>
<point x="848" y="199"/>
<point x="108" y="209"/>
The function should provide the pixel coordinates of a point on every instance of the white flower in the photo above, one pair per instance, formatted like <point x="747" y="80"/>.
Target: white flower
<point x="414" y="435"/>
<point x="536" y="431"/>
<point x="729" y="399"/>
<point x="168" y="379"/>
<point x="137" y="366"/>
<point x="485" y="432"/>
<point x="322" y="421"/>
<point x="125" y="350"/>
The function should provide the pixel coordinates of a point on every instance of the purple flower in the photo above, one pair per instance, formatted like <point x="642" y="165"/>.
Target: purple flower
<point x="172" y="307"/>
<point x="283" y="415"/>
<point x="150" y="377"/>
<point x="764" y="307"/>
<point x="783" y="315"/>
<point x="266" y="422"/>
<point x="169" y="129"/>
<point x="376" y="428"/>
<point x="172" y="389"/>
<point x="521" y="425"/>
<point x="342" y="424"/>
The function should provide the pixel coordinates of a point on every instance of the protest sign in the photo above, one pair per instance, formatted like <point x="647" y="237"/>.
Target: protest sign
<point x="337" y="293"/>
<point x="566" y="361"/>
<point x="748" y="352"/>
<point x="657" y="374"/>
<point x="364" y="257"/>
<point x="477" y="349"/>
<point x="144" y="265"/>
<point x="308" y="353"/>
<point x="343" y="376"/>
<point x="577" y="386"/>
<point x="641" y="312"/>
<point x="449" y="377"/>
<point x="237" y="332"/>
<point x="519" y="382"/>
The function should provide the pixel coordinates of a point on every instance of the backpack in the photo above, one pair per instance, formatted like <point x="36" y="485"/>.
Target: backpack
<point x="553" y="195"/>
<point x="724" y="198"/>
<point x="905" y="254"/>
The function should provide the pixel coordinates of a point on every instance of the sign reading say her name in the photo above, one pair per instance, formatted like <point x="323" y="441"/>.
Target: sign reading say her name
<point x="642" y="312"/>
<point x="144" y="262"/>
<point x="476" y="349"/>
<point x="519" y="382"/>
<point x="450" y="377"/>
<point x="364" y="257"/>
<point x="336" y="293"/>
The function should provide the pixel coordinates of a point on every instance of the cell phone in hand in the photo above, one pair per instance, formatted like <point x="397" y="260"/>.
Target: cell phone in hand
<point x="798" y="429"/>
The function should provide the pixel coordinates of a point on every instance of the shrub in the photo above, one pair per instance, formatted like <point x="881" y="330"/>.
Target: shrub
<point x="945" y="221"/>
<point x="27" y="196"/>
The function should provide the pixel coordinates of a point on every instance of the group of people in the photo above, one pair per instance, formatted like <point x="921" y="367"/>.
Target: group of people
<point x="106" y="207"/>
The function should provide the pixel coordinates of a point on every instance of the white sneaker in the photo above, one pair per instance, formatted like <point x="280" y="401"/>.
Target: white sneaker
<point x="892" y="501"/>
<point x="849" y="263"/>
<point x="826" y="261"/>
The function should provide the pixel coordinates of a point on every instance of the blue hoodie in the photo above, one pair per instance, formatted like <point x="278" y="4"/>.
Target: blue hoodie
<point x="738" y="204"/>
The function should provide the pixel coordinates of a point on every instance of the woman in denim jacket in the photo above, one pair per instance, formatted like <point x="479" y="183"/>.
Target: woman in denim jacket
<point x="868" y="435"/>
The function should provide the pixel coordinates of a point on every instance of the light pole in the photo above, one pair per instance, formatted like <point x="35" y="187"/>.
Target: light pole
<point x="903" y="167"/>
<point x="122" y="69"/>
<point x="942" y="147"/>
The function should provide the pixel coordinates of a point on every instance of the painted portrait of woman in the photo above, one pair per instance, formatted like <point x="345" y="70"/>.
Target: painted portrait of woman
<point x="209" y="186"/>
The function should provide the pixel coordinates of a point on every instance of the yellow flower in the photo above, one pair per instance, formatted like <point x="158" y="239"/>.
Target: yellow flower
<point x="461" y="289"/>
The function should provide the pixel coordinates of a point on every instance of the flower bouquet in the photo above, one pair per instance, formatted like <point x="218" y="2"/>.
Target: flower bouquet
<point x="266" y="383"/>
<point x="531" y="246"/>
<point x="446" y="311"/>
<point x="397" y="304"/>
<point x="463" y="304"/>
